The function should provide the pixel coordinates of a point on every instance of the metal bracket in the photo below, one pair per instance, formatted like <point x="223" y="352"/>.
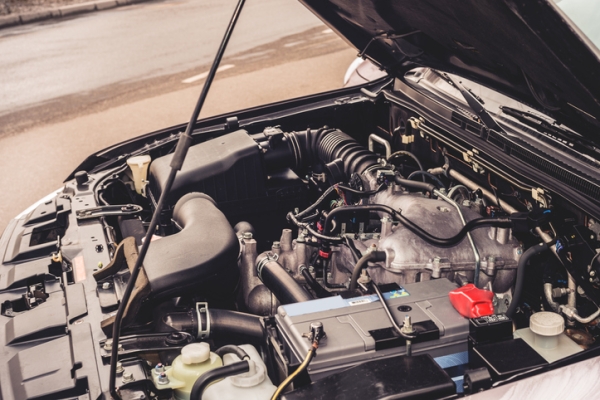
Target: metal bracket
<point x="202" y="308"/>
<point x="104" y="211"/>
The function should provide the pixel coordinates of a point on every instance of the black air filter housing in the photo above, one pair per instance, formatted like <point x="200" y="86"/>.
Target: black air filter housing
<point x="202" y="255"/>
<point x="229" y="169"/>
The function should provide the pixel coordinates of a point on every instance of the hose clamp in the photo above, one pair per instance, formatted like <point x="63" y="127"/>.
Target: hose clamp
<point x="264" y="261"/>
<point x="202" y="308"/>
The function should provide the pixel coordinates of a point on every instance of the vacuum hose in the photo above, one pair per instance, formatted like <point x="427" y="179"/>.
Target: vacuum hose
<point x="523" y="261"/>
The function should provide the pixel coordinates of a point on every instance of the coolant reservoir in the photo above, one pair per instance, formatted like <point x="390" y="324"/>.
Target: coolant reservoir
<point x="139" y="171"/>
<point x="252" y="385"/>
<point x="195" y="359"/>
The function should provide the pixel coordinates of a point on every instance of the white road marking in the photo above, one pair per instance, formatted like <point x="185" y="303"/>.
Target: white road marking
<point x="205" y="74"/>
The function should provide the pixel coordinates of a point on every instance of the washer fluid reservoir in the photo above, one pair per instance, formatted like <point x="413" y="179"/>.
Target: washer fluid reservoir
<point x="195" y="359"/>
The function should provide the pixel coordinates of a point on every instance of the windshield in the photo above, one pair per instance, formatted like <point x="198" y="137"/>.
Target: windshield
<point x="586" y="15"/>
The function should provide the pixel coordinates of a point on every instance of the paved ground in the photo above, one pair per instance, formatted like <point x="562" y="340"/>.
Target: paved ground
<point x="43" y="141"/>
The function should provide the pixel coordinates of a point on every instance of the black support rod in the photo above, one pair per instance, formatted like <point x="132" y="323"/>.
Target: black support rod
<point x="185" y="140"/>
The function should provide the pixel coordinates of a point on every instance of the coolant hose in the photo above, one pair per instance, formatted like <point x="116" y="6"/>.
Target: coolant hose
<point x="278" y="281"/>
<point x="222" y="323"/>
<point x="523" y="261"/>
<point x="362" y="263"/>
<point x="232" y="349"/>
<point x="216" y="374"/>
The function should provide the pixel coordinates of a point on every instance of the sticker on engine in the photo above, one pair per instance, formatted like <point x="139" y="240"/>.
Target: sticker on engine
<point x="394" y="294"/>
<point x="358" y="302"/>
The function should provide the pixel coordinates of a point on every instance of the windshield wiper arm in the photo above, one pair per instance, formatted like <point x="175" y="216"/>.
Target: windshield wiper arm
<point x="476" y="106"/>
<point x="544" y="126"/>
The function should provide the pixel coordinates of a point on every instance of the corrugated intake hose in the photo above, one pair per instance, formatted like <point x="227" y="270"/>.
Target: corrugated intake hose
<point x="280" y="282"/>
<point x="320" y="146"/>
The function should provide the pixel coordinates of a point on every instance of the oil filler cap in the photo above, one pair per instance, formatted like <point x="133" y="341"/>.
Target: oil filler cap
<point x="195" y="353"/>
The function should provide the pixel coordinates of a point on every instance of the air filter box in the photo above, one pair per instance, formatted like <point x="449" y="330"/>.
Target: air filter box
<point x="230" y="170"/>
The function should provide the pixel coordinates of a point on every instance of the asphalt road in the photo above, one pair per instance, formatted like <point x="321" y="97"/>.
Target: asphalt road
<point x="42" y="61"/>
<point x="45" y="137"/>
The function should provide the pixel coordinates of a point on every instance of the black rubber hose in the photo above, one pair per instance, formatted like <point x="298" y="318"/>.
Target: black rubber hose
<point x="428" y="175"/>
<point x="307" y="226"/>
<point x="364" y="193"/>
<point x="233" y="323"/>
<point x="427" y="187"/>
<point x="349" y="209"/>
<point x="216" y="374"/>
<point x="222" y="323"/>
<point x="451" y="241"/>
<point x="232" y="349"/>
<point x="319" y="290"/>
<point x="278" y="281"/>
<point x="363" y="263"/>
<point x="523" y="261"/>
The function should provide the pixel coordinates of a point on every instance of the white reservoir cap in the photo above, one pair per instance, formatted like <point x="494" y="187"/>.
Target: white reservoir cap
<point x="195" y="353"/>
<point x="547" y="328"/>
<point x="546" y="323"/>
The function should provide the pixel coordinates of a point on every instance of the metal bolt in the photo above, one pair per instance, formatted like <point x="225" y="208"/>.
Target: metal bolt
<point x="128" y="377"/>
<point x="100" y="265"/>
<point x="108" y="345"/>
<point x="163" y="379"/>
<point x="119" y="369"/>
<point x="159" y="368"/>
<point x="592" y="273"/>
<point x="276" y="245"/>
<point x="247" y="235"/>
<point x="106" y="285"/>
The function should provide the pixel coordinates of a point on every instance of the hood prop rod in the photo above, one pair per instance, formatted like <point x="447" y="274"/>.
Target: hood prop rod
<point x="184" y="143"/>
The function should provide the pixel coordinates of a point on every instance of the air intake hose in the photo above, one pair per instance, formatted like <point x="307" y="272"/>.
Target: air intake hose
<point x="298" y="150"/>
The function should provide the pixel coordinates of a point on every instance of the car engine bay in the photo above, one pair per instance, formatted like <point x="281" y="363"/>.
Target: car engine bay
<point x="322" y="247"/>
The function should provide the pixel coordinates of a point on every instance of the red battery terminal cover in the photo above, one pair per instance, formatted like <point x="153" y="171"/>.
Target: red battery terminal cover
<point x="472" y="302"/>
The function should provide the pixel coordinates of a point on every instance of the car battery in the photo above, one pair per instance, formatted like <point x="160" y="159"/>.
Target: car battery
<point x="357" y="329"/>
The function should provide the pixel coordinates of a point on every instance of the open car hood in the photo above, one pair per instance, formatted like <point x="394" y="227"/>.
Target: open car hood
<point x="525" y="49"/>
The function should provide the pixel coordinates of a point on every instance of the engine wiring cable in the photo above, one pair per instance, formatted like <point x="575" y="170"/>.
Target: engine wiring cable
<point x="408" y="154"/>
<point x="292" y="218"/>
<point x="316" y="204"/>
<point x="309" y="356"/>
<point x="428" y="175"/>
<point x="183" y="145"/>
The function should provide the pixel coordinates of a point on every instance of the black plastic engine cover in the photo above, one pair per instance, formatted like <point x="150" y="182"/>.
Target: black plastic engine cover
<point x="204" y="253"/>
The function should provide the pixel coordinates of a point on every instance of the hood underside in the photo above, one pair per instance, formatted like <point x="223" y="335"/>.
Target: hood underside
<point x="525" y="49"/>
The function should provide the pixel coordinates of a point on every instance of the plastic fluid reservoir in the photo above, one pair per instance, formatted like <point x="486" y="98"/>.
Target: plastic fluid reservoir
<point x="252" y="385"/>
<point x="194" y="360"/>
<point x="139" y="171"/>
<point x="547" y="327"/>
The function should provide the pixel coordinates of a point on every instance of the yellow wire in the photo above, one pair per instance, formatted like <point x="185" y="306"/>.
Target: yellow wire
<point x="297" y="372"/>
